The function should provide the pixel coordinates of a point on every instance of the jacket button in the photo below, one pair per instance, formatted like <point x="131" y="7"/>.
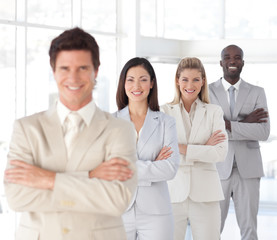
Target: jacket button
<point x="65" y="230"/>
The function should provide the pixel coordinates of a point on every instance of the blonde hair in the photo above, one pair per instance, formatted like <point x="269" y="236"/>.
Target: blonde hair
<point x="191" y="63"/>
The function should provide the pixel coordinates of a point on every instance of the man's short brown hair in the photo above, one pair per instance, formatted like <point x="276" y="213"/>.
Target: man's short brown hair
<point x="74" y="39"/>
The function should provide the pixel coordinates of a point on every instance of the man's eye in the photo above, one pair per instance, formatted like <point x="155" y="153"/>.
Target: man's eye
<point x="63" y="68"/>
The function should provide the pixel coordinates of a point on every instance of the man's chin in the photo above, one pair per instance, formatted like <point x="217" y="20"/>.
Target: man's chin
<point x="234" y="75"/>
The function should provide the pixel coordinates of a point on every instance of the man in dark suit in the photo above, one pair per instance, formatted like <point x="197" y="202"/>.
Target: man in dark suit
<point x="247" y="123"/>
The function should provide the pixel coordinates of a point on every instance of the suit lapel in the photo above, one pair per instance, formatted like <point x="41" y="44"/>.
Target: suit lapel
<point x="176" y="112"/>
<point x="150" y="123"/>
<point x="242" y="95"/>
<point x="199" y="115"/>
<point x="51" y="126"/>
<point x="124" y="114"/>
<point x="221" y="96"/>
<point x="149" y="126"/>
<point x="86" y="138"/>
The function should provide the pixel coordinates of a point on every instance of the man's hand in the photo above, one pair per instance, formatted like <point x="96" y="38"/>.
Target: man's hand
<point x="165" y="153"/>
<point x="216" y="138"/>
<point x="114" y="169"/>
<point x="257" y="116"/>
<point x="228" y="125"/>
<point x="29" y="175"/>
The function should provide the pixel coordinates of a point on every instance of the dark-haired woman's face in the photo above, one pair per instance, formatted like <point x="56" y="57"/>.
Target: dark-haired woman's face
<point x="138" y="84"/>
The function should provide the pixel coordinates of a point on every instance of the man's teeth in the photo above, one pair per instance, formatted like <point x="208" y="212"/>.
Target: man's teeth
<point x="73" y="88"/>
<point x="232" y="67"/>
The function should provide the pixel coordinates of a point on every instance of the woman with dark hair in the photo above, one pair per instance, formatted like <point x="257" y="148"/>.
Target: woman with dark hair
<point x="149" y="215"/>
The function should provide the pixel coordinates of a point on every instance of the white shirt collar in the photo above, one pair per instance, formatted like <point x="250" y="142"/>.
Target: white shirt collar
<point x="226" y="84"/>
<point x="193" y="105"/>
<point x="86" y="112"/>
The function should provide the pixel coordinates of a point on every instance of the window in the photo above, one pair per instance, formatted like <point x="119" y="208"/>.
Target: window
<point x="104" y="92"/>
<point x="50" y="12"/>
<point x="8" y="86"/>
<point x="192" y="20"/>
<point x="7" y="10"/>
<point x="179" y="19"/>
<point x="165" y="74"/>
<point x="206" y="20"/>
<point x="40" y="84"/>
<point x="148" y="18"/>
<point x="99" y="15"/>
<point x="251" y="19"/>
<point x="8" y="108"/>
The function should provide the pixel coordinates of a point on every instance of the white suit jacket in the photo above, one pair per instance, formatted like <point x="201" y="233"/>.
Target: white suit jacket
<point x="78" y="207"/>
<point x="244" y="138"/>
<point x="158" y="130"/>
<point x="197" y="176"/>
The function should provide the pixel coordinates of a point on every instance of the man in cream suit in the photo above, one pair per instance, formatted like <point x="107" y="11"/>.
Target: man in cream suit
<point x="61" y="190"/>
<point x="247" y="123"/>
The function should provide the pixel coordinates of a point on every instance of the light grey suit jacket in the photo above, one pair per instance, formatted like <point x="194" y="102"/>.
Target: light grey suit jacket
<point x="158" y="130"/>
<point x="244" y="138"/>
<point x="197" y="175"/>
<point x="78" y="207"/>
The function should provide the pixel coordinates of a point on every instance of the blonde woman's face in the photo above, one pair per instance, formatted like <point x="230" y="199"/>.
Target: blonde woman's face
<point x="190" y="83"/>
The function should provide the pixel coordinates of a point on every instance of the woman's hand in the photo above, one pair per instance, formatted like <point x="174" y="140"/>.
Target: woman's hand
<point x="165" y="153"/>
<point x="182" y="149"/>
<point x="216" y="138"/>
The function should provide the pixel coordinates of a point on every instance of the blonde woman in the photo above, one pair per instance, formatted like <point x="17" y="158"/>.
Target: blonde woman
<point x="196" y="191"/>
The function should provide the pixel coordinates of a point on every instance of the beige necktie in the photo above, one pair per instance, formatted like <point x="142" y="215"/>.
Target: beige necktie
<point x="72" y="128"/>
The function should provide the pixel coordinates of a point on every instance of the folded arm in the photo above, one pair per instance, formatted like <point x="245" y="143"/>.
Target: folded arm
<point x="215" y="148"/>
<point x="165" y="165"/>
<point x="255" y="126"/>
<point x="30" y="188"/>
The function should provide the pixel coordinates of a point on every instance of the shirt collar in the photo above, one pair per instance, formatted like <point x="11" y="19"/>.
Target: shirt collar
<point x="226" y="84"/>
<point x="86" y="112"/>
<point x="193" y="105"/>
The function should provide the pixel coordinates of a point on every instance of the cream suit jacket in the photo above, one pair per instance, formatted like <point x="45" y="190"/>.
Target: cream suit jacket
<point x="78" y="207"/>
<point x="197" y="175"/>
<point x="158" y="130"/>
<point x="244" y="138"/>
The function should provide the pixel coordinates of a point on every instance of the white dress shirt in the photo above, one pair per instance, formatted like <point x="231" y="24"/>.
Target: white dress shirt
<point x="188" y="117"/>
<point x="86" y="113"/>
<point x="227" y="85"/>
